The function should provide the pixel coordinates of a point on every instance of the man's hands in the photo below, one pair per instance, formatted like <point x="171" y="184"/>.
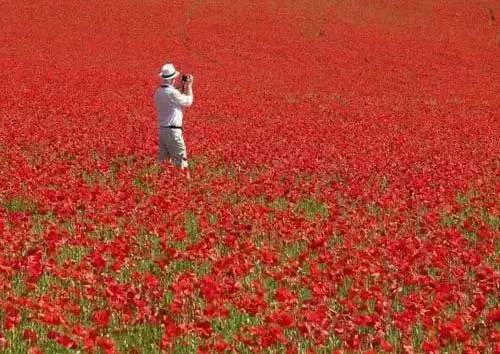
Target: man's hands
<point x="189" y="79"/>
<point x="187" y="83"/>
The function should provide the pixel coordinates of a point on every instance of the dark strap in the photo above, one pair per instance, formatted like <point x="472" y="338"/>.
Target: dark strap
<point x="174" y="127"/>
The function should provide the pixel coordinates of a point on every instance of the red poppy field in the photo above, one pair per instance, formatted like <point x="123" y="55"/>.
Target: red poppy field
<point x="344" y="161"/>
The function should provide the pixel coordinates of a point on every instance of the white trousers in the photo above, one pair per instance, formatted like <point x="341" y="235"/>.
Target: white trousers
<point x="172" y="147"/>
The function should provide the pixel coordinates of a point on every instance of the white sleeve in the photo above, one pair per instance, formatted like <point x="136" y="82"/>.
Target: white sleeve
<point x="180" y="98"/>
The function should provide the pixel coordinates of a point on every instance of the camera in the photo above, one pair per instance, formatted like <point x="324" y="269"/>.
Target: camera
<point x="185" y="77"/>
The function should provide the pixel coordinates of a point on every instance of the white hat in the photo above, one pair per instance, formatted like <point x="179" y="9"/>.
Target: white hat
<point x="168" y="72"/>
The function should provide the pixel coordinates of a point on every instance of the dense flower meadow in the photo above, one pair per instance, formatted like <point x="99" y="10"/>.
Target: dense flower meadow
<point x="345" y="172"/>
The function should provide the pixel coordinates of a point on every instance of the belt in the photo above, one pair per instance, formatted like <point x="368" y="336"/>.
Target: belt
<point x="173" y="127"/>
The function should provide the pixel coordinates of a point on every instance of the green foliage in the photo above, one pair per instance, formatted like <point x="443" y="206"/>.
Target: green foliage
<point x="144" y="186"/>
<point x="212" y="219"/>
<point x="93" y="178"/>
<point x="293" y="249"/>
<point x="20" y="204"/>
<point x="230" y="326"/>
<point x="143" y="337"/>
<point x="149" y="244"/>
<point x="180" y="266"/>
<point x="373" y="208"/>
<point x="18" y="345"/>
<point x="124" y="274"/>
<point x="104" y="233"/>
<point x="397" y="305"/>
<point x="17" y="283"/>
<point x="343" y="290"/>
<point x="492" y="220"/>
<point x="270" y="285"/>
<point x="433" y="272"/>
<point x="187" y="344"/>
<point x="336" y="240"/>
<point x="40" y="221"/>
<point x="280" y="203"/>
<point x="304" y="294"/>
<point x="393" y="336"/>
<point x="71" y="253"/>
<point x="44" y="283"/>
<point x="417" y="335"/>
<point x="191" y="226"/>
<point x="311" y="208"/>
<point x="147" y="265"/>
<point x="150" y="170"/>
<point x="384" y="183"/>
<point x="16" y="342"/>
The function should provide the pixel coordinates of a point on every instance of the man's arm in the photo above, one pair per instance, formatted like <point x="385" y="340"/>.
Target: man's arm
<point x="183" y="99"/>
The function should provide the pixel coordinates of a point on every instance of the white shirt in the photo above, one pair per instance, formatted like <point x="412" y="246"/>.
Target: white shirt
<point x="169" y="104"/>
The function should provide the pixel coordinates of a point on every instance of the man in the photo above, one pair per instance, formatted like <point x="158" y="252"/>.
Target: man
<point x="170" y="103"/>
